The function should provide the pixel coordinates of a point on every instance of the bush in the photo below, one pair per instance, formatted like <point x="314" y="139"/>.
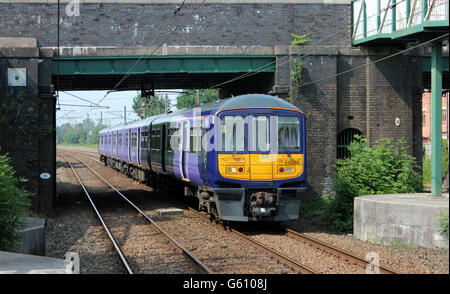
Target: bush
<point x="14" y="202"/>
<point x="314" y="207"/>
<point x="443" y="226"/>
<point x="386" y="168"/>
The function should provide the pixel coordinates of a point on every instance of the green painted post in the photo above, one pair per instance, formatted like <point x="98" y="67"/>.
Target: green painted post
<point x="378" y="15"/>
<point x="365" y="18"/>
<point x="436" y="119"/>
<point x="394" y="15"/>
<point x="408" y="10"/>
<point x="424" y="9"/>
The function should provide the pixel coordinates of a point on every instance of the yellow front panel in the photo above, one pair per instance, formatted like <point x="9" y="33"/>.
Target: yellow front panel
<point x="230" y="165"/>
<point x="261" y="167"/>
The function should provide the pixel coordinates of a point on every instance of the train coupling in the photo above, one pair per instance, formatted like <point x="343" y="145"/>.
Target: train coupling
<point x="263" y="204"/>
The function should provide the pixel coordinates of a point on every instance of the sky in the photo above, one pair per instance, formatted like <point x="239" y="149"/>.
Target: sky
<point x="111" y="116"/>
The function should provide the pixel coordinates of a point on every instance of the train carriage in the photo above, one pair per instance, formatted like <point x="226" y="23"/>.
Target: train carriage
<point x="242" y="157"/>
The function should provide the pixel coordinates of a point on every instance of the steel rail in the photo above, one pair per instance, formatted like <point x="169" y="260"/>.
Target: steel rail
<point x="111" y="237"/>
<point x="314" y="242"/>
<point x="336" y="251"/>
<point x="303" y="269"/>
<point x="177" y="244"/>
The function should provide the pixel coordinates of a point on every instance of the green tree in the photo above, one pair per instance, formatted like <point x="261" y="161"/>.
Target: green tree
<point x="146" y="107"/>
<point x="14" y="203"/>
<point x="187" y="99"/>
<point x="84" y="133"/>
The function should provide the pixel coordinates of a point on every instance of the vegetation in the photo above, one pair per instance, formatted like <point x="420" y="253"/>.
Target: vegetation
<point x="385" y="168"/>
<point x="187" y="99"/>
<point x="82" y="134"/>
<point x="427" y="164"/>
<point x="315" y="207"/>
<point x="443" y="226"/>
<point x="296" y="72"/>
<point x="146" y="107"/>
<point x="299" y="40"/>
<point x="445" y="164"/>
<point x="14" y="203"/>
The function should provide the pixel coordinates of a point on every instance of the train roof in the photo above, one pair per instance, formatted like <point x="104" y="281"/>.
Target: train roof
<point x="248" y="100"/>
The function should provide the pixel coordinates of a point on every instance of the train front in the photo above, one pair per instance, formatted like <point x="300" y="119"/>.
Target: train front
<point x="260" y="159"/>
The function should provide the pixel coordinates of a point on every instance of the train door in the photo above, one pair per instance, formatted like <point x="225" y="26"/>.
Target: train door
<point x="163" y="146"/>
<point x="127" y="145"/>
<point x="185" y="149"/>
<point x="261" y="160"/>
<point x="143" y="146"/>
<point x="133" y="149"/>
<point x="138" y="140"/>
<point x="169" y="160"/>
<point x="203" y="153"/>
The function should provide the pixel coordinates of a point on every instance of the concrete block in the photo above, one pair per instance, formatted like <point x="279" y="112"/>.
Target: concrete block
<point x="33" y="241"/>
<point x="402" y="218"/>
<point x="14" y="263"/>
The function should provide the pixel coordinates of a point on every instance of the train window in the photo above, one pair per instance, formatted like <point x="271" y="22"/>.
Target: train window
<point x="233" y="136"/>
<point x="260" y="133"/>
<point x="119" y="139"/>
<point x="193" y="140"/>
<point x="144" y="140"/>
<point x="133" y="140"/>
<point x="156" y="141"/>
<point x="173" y="139"/>
<point x="288" y="133"/>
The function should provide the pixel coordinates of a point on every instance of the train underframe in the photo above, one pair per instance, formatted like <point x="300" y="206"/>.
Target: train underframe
<point x="229" y="204"/>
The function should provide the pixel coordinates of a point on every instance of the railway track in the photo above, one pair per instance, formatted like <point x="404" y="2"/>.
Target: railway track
<point x="345" y="255"/>
<point x="186" y="252"/>
<point x="320" y="245"/>
<point x="303" y="269"/>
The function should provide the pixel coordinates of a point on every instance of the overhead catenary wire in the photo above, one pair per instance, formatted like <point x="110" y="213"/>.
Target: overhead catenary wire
<point x="78" y="97"/>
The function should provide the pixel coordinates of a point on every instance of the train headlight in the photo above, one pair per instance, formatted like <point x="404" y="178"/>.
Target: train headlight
<point x="234" y="169"/>
<point x="288" y="169"/>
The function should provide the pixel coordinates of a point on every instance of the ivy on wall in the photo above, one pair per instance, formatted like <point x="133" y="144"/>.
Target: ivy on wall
<point x="296" y="72"/>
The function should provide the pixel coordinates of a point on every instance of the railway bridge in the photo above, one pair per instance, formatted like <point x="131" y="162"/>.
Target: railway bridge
<point x="237" y="46"/>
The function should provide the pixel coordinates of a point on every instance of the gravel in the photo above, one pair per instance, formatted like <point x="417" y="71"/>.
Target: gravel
<point x="75" y="228"/>
<point x="409" y="259"/>
<point x="220" y="250"/>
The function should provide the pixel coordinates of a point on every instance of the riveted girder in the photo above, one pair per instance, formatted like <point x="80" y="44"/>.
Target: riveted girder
<point x="162" y="72"/>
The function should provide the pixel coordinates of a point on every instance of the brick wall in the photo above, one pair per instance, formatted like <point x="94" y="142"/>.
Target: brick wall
<point x="212" y="24"/>
<point x="27" y="124"/>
